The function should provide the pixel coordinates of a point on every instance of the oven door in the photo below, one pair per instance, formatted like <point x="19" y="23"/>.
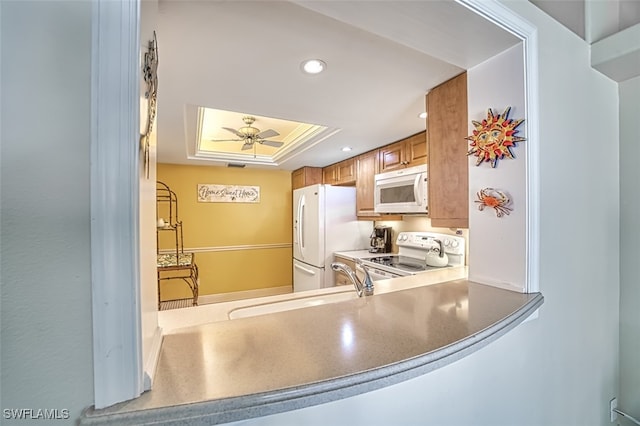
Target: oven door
<point x="402" y="191"/>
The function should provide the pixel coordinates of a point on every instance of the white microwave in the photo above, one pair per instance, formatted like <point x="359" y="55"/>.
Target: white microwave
<point x="401" y="191"/>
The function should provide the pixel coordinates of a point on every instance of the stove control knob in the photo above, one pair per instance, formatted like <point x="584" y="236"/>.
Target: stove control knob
<point x="454" y="244"/>
<point x="447" y="243"/>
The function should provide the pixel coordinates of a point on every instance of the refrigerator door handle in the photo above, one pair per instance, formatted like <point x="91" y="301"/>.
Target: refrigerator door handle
<point x="303" y="269"/>
<point x="301" y="225"/>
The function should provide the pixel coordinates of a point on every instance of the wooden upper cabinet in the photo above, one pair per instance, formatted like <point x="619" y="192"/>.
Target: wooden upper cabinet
<point x="330" y="174"/>
<point x="305" y="176"/>
<point x="366" y="168"/>
<point x="392" y="157"/>
<point x="416" y="149"/>
<point x="342" y="173"/>
<point x="407" y="152"/>
<point x="448" y="171"/>
<point x="346" y="172"/>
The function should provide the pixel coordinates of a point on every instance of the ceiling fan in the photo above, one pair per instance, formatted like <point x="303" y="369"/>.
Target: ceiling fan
<point x="250" y="135"/>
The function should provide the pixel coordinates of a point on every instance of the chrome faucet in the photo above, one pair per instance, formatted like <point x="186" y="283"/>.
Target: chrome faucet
<point x="362" y="287"/>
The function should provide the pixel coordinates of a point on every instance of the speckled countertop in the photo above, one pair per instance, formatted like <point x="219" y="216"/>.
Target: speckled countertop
<point x="231" y="370"/>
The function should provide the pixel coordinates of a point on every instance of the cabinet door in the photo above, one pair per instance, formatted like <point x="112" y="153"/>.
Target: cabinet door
<point x="392" y="157"/>
<point x="330" y="175"/>
<point x="346" y="172"/>
<point x="448" y="163"/>
<point x="365" y="172"/>
<point x="305" y="176"/>
<point x="297" y="179"/>
<point x="416" y="149"/>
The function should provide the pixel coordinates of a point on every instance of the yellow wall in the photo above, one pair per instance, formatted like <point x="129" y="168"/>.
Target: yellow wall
<point x="208" y="227"/>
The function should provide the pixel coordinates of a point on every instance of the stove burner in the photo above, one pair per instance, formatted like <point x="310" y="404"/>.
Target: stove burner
<point x="403" y="263"/>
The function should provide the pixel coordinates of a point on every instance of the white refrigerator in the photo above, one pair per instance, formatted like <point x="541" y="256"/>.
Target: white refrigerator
<point x="324" y="221"/>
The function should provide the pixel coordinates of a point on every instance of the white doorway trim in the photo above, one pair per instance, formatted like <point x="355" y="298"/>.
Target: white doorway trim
<point x="508" y="20"/>
<point x="115" y="129"/>
<point x="117" y="342"/>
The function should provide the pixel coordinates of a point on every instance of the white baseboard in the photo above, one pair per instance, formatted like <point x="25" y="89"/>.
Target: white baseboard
<point x="246" y="294"/>
<point x="151" y="362"/>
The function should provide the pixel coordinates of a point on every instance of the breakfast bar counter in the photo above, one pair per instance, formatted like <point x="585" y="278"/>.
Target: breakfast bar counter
<point x="236" y="369"/>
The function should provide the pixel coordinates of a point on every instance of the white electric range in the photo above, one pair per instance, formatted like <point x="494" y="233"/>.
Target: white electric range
<point x="412" y="254"/>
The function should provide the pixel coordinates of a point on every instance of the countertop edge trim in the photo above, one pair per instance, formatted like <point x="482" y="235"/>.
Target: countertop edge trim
<point x="282" y="400"/>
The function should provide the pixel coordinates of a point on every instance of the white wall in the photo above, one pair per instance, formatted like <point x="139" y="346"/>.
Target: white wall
<point x="629" y="246"/>
<point x="497" y="245"/>
<point x="45" y="226"/>
<point x="560" y="369"/>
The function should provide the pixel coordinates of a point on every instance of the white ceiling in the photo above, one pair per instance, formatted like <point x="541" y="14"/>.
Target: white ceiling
<point x="593" y="20"/>
<point x="382" y="57"/>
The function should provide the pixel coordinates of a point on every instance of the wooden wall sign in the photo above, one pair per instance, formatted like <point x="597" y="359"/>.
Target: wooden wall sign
<point x="211" y="193"/>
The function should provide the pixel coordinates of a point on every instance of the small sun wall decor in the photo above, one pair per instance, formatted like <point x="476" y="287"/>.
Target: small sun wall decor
<point x="498" y="200"/>
<point x="494" y="137"/>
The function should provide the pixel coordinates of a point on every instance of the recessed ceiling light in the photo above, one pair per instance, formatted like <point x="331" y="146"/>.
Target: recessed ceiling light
<point x="346" y="148"/>
<point x="313" y="66"/>
<point x="422" y="115"/>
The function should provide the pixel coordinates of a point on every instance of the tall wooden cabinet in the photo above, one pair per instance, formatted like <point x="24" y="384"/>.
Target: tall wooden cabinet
<point x="366" y="168"/>
<point x="448" y="170"/>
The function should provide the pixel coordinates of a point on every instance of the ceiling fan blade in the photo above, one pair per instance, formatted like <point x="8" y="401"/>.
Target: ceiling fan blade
<point x="267" y="134"/>
<point x="247" y="145"/>
<point x="226" y="140"/>
<point x="235" y="132"/>
<point x="272" y="143"/>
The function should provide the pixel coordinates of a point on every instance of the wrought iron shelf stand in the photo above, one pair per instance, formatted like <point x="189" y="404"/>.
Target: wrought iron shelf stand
<point x="173" y="264"/>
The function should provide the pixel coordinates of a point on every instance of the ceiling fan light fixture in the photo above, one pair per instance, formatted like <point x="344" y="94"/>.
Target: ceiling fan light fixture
<point x="313" y="66"/>
<point x="249" y="131"/>
<point x="250" y="135"/>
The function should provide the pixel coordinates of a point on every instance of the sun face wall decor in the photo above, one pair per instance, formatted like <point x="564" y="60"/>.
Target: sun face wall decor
<point x="494" y="137"/>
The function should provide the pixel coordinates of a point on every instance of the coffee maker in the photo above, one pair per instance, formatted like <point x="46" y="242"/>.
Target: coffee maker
<point x="381" y="240"/>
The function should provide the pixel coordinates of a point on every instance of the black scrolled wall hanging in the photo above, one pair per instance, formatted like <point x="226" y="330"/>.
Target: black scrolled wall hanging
<point x="150" y="75"/>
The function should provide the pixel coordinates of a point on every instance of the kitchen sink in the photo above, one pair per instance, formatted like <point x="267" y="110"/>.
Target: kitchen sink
<point x="290" y="304"/>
